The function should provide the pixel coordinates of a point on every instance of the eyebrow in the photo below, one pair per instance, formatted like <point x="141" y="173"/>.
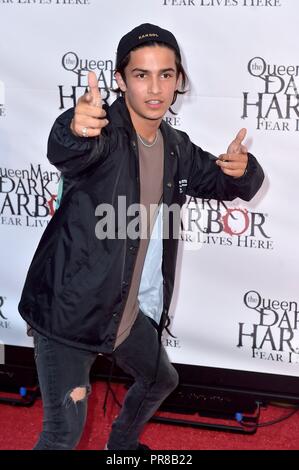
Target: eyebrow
<point x="137" y="69"/>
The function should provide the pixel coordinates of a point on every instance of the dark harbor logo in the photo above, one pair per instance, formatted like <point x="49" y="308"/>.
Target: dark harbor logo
<point x="209" y="222"/>
<point x="276" y="104"/>
<point x="79" y="68"/>
<point x="27" y="196"/>
<point x="271" y="332"/>
<point x="5" y="324"/>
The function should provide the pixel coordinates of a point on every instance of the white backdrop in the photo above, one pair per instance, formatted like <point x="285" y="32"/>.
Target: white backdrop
<point x="236" y="301"/>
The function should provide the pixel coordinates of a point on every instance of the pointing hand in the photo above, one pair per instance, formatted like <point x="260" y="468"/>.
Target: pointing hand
<point x="89" y="117"/>
<point x="234" y="162"/>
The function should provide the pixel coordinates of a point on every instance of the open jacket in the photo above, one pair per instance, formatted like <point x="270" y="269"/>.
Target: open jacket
<point x="77" y="284"/>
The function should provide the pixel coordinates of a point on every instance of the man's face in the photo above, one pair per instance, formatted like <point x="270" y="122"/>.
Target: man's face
<point x="151" y="80"/>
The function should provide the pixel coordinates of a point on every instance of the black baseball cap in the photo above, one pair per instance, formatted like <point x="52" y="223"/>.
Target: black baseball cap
<point x="142" y="34"/>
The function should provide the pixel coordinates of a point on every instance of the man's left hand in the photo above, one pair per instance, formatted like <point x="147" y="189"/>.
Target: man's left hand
<point x="234" y="162"/>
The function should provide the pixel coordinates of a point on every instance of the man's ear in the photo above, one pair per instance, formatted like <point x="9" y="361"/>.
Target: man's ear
<point x="120" y="82"/>
<point x="178" y="82"/>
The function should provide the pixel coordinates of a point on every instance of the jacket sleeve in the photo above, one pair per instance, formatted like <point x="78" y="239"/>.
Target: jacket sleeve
<point x="70" y="154"/>
<point x="206" y="180"/>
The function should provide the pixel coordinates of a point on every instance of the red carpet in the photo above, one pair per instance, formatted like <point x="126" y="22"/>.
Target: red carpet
<point x="20" y="427"/>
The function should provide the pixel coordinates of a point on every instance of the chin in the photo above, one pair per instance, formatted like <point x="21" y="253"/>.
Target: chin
<point x="155" y="118"/>
<point x="155" y="115"/>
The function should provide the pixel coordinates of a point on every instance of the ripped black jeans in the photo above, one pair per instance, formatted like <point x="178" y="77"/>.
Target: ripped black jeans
<point x="62" y="369"/>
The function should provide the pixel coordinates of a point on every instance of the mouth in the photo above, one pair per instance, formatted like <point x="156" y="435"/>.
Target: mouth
<point x="154" y="104"/>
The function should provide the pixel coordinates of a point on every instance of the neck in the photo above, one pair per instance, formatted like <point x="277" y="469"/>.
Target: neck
<point x="147" y="134"/>
<point x="146" y="128"/>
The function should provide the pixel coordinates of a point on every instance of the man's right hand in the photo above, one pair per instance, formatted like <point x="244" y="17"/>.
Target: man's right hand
<point x="89" y="117"/>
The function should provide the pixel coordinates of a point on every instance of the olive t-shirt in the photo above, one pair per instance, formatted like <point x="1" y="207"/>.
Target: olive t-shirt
<point x="151" y="168"/>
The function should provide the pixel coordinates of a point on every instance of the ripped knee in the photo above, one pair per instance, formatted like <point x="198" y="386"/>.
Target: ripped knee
<point x="78" y="394"/>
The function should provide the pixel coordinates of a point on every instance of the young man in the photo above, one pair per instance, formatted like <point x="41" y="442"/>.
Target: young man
<point x="93" y="286"/>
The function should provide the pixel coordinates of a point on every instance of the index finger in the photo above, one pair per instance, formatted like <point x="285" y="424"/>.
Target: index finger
<point x="241" y="136"/>
<point x="96" y="99"/>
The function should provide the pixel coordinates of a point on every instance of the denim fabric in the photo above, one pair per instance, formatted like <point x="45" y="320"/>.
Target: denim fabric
<point x="61" y="369"/>
<point x="141" y="356"/>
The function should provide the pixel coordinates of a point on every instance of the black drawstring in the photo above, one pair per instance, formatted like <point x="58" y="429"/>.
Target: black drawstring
<point x="166" y="326"/>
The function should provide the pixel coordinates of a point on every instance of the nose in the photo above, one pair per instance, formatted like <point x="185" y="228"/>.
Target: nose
<point x="154" y="86"/>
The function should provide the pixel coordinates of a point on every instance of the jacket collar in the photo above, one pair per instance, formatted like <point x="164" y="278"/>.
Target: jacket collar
<point x="119" y="115"/>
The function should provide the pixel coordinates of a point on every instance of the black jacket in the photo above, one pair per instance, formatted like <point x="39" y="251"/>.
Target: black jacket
<point x="77" y="285"/>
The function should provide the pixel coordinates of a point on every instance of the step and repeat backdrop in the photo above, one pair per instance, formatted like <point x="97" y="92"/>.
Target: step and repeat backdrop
<point x="236" y="300"/>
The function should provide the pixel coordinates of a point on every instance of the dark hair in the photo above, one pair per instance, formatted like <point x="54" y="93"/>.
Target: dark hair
<point x="180" y="69"/>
